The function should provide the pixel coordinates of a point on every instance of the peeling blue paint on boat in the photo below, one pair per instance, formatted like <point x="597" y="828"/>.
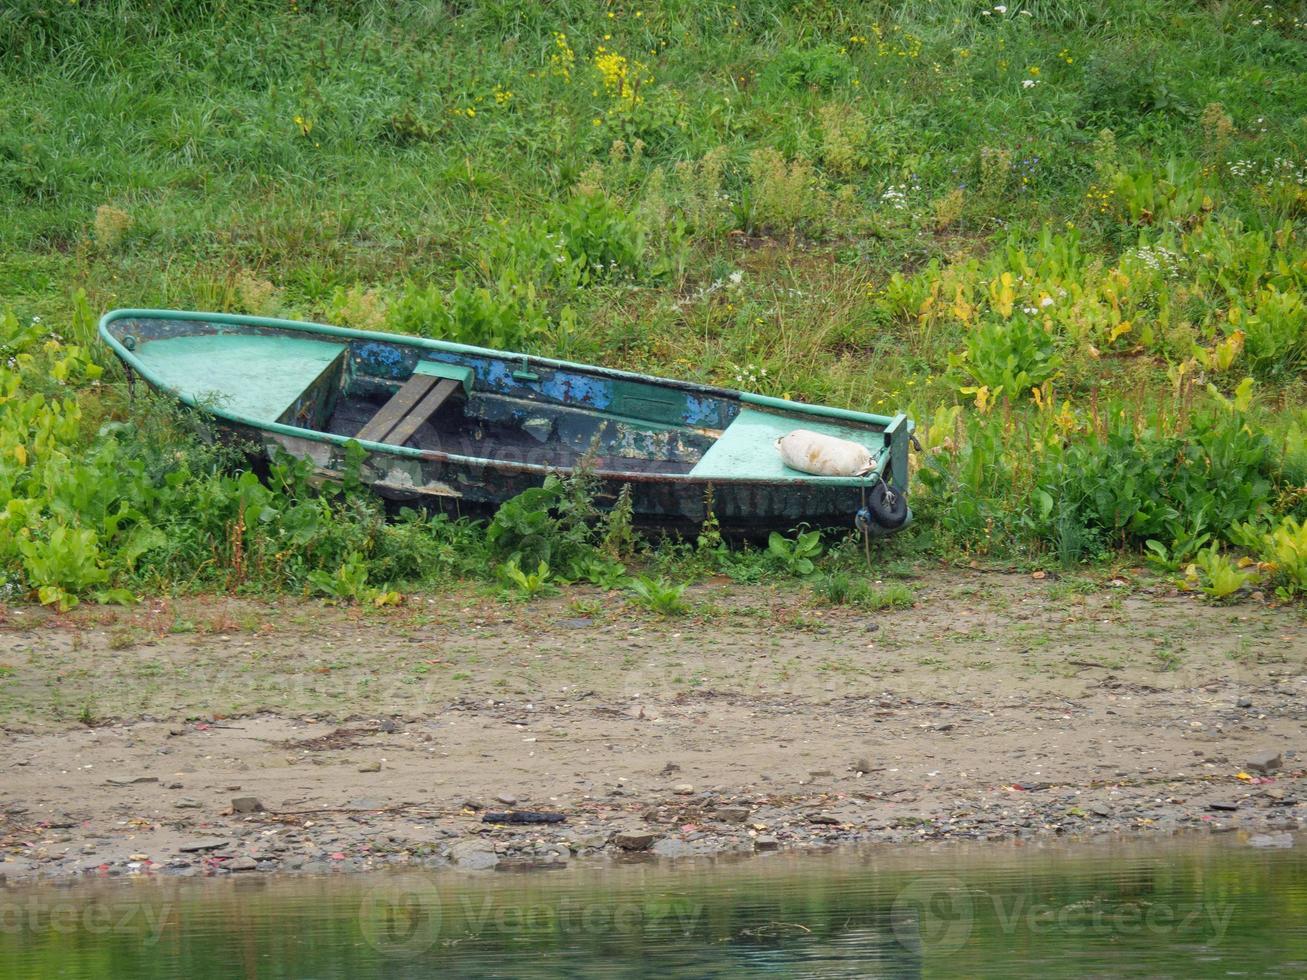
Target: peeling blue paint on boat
<point x="498" y="375"/>
<point x="383" y="360"/>
<point x="576" y="389"/>
<point x="703" y="411"/>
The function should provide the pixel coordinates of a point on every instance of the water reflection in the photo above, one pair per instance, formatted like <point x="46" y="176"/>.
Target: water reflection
<point x="1180" y="909"/>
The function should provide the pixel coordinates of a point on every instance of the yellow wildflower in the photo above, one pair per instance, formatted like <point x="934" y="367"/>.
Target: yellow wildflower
<point x="563" y="58"/>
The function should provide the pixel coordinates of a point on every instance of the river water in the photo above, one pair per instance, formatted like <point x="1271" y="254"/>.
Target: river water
<point x="1214" y="908"/>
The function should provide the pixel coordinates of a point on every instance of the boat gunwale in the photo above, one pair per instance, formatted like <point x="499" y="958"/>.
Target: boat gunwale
<point x="314" y="435"/>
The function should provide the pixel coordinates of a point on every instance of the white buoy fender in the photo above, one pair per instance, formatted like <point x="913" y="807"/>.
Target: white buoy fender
<point x="822" y="455"/>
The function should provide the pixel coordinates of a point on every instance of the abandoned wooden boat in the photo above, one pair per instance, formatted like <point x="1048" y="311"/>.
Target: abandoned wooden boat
<point x="465" y="428"/>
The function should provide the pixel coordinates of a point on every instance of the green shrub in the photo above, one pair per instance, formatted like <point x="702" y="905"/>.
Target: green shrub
<point x="63" y="563"/>
<point x="1009" y="357"/>
<point x="1136" y="485"/>
<point x="821" y="68"/>
<point x="602" y="240"/>
<point x="658" y="595"/>
<point x="1282" y="550"/>
<point x="528" y="585"/>
<point x="1218" y="576"/>
<point x="530" y="252"/>
<point x="795" y="556"/>
<point x="1275" y="335"/>
<point x="508" y="315"/>
<point x="1122" y="84"/>
<point x="1128" y="485"/>
<point x="556" y="524"/>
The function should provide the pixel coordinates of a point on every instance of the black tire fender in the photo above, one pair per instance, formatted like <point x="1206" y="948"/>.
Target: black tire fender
<point x="888" y="506"/>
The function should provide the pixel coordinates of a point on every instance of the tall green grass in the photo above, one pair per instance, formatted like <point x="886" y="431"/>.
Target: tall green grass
<point x="816" y="200"/>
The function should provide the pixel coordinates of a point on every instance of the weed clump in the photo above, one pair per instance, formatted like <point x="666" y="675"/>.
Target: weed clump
<point x="111" y="226"/>
<point x="782" y="196"/>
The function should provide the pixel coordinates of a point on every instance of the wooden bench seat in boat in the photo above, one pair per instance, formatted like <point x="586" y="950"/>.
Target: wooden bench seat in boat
<point x="432" y="384"/>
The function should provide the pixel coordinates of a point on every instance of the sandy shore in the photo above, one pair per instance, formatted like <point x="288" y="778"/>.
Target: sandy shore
<point x="222" y="736"/>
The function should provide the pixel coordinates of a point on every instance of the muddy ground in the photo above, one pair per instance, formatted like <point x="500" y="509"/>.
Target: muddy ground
<point x="997" y="706"/>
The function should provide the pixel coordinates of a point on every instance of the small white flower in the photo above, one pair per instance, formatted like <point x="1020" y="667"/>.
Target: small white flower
<point x="1046" y="301"/>
<point x="1029" y="82"/>
<point x="736" y="278"/>
<point x="1000" y="8"/>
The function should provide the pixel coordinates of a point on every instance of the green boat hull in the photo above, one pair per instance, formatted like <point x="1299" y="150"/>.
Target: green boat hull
<point x="506" y="422"/>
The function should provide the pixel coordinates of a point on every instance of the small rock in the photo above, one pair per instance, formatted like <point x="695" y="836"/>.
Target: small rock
<point x="1267" y="760"/>
<point x="829" y="819"/>
<point x="684" y="789"/>
<point x="508" y="799"/>
<point x="242" y="864"/>
<point x="203" y="844"/>
<point x="186" y="803"/>
<point x="1244" y="703"/>
<point x="1223" y="805"/>
<point x="861" y="764"/>
<point x="246" y="804"/>
<point x="1099" y="810"/>
<point x="732" y="814"/>
<point x="524" y="816"/>
<point x="766" y="843"/>
<point x="634" y="840"/>
<point x="370" y="767"/>
<point x="576" y="623"/>
<point x="475" y="855"/>
<point x="580" y="840"/>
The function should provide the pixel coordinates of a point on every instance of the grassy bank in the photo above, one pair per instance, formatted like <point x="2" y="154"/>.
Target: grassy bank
<point x="1066" y="237"/>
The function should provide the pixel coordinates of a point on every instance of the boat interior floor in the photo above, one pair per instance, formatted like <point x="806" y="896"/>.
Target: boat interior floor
<point x="447" y="429"/>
